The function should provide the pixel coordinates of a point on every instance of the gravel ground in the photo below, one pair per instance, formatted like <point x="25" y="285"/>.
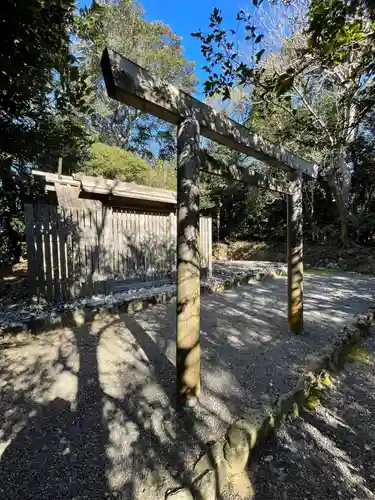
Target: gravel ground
<point x="329" y="453"/>
<point x="20" y="312"/>
<point x="88" y="412"/>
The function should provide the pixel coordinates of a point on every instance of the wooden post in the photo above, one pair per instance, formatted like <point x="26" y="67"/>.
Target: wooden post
<point x="295" y="258"/>
<point x="188" y="264"/>
<point x="59" y="167"/>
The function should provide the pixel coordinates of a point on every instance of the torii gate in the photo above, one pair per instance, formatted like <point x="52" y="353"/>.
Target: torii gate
<point x="130" y="84"/>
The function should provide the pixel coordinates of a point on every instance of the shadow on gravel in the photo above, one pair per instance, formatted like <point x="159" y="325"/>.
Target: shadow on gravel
<point x="329" y="453"/>
<point x="80" y="417"/>
<point x="87" y="413"/>
<point x="56" y="449"/>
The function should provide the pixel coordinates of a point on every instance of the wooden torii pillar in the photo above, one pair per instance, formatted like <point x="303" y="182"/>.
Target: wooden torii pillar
<point x="188" y="264"/>
<point x="292" y="189"/>
<point x="132" y="85"/>
<point x="295" y="257"/>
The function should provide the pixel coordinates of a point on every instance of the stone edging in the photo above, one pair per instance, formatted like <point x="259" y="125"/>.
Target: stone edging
<point x="83" y="315"/>
<point x="223" y="467"/>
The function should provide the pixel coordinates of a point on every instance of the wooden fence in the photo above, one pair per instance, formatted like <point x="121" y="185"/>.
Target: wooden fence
<point x="74" y="253"/>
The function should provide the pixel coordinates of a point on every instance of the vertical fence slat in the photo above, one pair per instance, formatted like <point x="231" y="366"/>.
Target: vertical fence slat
<point x="108" y="242"/>
<point x="58" y="214"/>
<point x="124" y="249"/>
<point x="166" y="245"/>
<point x="31" y="257"/>
<point x="204" y="249"/>
<point x="82" y="277"/>
<point x="156" y="237"/>
<point x="152" y="247"/>
<point x="71" y="252"/>
<point x="141" y="230"/>
<point x="141" y="235"/>
<point x="113" y="239"/>
<point x="39" y="251"/>
<point x="162" y="246"/>
<point x="157" y="272"/>
<point x="56" y="266"/>
<point x="147" y="244"/>
<point x="49" y="265"/>
<point x="136" y="243"/>
<point x="89" y="236"/>
<point x="173" y="243"/>
<point x="116" y="236"/>
<point x="126" y="245"/>
<point x="144" y="233"/>
<point x="77" y="258"/>
<point x="84" y="216"/>
<point x="84" y="224"/>
<point x="99" y="248"/>
<point x="209" y="247"/>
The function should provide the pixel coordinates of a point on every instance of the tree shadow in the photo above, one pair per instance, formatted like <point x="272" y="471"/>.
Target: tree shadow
<point x="89" y="414"/>
<point x="59" y="450"/>
<point x="328" y="452"/>
<point x="102" y="395"/>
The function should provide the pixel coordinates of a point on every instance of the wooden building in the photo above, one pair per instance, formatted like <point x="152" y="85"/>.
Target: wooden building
<point x="96" y="235"/>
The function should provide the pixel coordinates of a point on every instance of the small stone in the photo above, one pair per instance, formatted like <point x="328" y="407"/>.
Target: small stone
<point x="205" y="486"/>
<point x="79" y="317"/>
<point x="268" y="458"/>
<point x="180" y="494"/>
<point x="236" y="448"/>
<point x="212" y="459"/>
<point x="255" y="424"/>
<point x="191" y="402"/>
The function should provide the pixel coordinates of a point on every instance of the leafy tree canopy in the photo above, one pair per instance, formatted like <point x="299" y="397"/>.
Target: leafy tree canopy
<point x="318" y="84"/>
<point x="113" y="162"/>
<point x="152" y="45"/>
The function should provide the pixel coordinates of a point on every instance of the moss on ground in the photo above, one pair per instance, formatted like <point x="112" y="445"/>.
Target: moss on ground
<point x="360" y="354"/>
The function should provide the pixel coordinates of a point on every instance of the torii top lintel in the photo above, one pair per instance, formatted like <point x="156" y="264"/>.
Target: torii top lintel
<point x="130" y="84"/>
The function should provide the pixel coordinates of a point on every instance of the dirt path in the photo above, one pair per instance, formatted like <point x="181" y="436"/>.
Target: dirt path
<point x="88" y="412"/>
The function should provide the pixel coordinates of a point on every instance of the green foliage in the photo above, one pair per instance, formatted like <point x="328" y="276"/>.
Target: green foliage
<point x="42" y="97"/>
<point x="360" y="354"/>
<point x="240" y="211"/>
<point x="335" y="25"/>
<point x="314" y="96"/>
<point x="152" y="45"/>
<point x="53" y="103"/>
<point x="311" y="95"/>
<point x="162" y="175"/>
<point x="113" y="162"/>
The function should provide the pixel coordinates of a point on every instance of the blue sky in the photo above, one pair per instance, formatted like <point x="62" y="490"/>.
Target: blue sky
<point x="185" y="17"/>
<point x="193" y="16"/>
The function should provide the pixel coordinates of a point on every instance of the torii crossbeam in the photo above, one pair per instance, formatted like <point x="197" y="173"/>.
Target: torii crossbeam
<point x="132" y="85"/>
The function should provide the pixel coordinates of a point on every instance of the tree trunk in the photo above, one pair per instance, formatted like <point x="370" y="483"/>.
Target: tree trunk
<point x="343" y="212"/>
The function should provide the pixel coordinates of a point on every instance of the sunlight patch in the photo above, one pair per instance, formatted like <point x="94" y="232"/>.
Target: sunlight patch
<point x="340" y="459"/>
